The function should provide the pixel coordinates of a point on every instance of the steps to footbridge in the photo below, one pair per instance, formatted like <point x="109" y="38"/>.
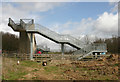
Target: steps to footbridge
<point x="31" y="27"/>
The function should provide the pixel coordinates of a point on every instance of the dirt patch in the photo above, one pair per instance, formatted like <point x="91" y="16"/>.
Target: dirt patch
<point x="105" y="68"/>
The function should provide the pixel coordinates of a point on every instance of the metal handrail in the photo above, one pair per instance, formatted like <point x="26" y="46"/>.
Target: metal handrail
<point x="58" y="37"/>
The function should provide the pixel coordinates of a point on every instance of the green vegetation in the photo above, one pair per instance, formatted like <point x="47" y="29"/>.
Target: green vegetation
<point x="52" y="69"/>
<point x="57" y="70"/>
<point x="116" y="64"/>
<point x="14" y="71"/>
<point x="29" y="63"/>
<point x="35" y="70"/>
<point x="15" y="75"/>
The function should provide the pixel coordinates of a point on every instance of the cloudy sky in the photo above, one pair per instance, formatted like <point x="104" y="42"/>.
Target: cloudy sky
<point x="67" y="17"/>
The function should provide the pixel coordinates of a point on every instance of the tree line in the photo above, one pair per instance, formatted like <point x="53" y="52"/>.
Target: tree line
<point x="112" y="44"/>
<point x="10" y="42"/>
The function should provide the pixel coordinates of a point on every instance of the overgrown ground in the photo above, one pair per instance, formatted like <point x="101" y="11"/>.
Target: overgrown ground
<point x="102" y="69"/>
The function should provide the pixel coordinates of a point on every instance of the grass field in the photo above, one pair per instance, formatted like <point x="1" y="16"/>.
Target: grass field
<point x="105" y="69"/>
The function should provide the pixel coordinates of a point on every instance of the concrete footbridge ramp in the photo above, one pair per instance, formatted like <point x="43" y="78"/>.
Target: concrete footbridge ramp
<point x="27" y="28"/>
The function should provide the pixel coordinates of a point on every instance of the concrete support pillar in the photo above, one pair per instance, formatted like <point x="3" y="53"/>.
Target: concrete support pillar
<point x="62" y="48"/>
<point x="27" y="44"/>
<point x="24" y="46"/>
<point x="31" y="46"/>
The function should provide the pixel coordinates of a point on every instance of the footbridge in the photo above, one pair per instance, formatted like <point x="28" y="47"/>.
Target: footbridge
<point x="28" y="28"/>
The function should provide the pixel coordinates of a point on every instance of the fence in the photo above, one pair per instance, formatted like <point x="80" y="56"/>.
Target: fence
<point x="48" y="57"/>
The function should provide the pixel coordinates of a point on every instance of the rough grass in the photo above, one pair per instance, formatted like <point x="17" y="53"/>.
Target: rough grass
<point x="51" y="69"/>
<point x="11" y="70"/>
<point x="59" y="70"/>
<point x="29" y="64"/>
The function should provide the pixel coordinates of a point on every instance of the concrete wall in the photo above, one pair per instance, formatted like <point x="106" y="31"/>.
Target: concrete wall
<point x="24" y="46"/>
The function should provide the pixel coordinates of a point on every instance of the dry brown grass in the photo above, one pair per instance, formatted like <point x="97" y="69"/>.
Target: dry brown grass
<point x="105" y="69"/>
